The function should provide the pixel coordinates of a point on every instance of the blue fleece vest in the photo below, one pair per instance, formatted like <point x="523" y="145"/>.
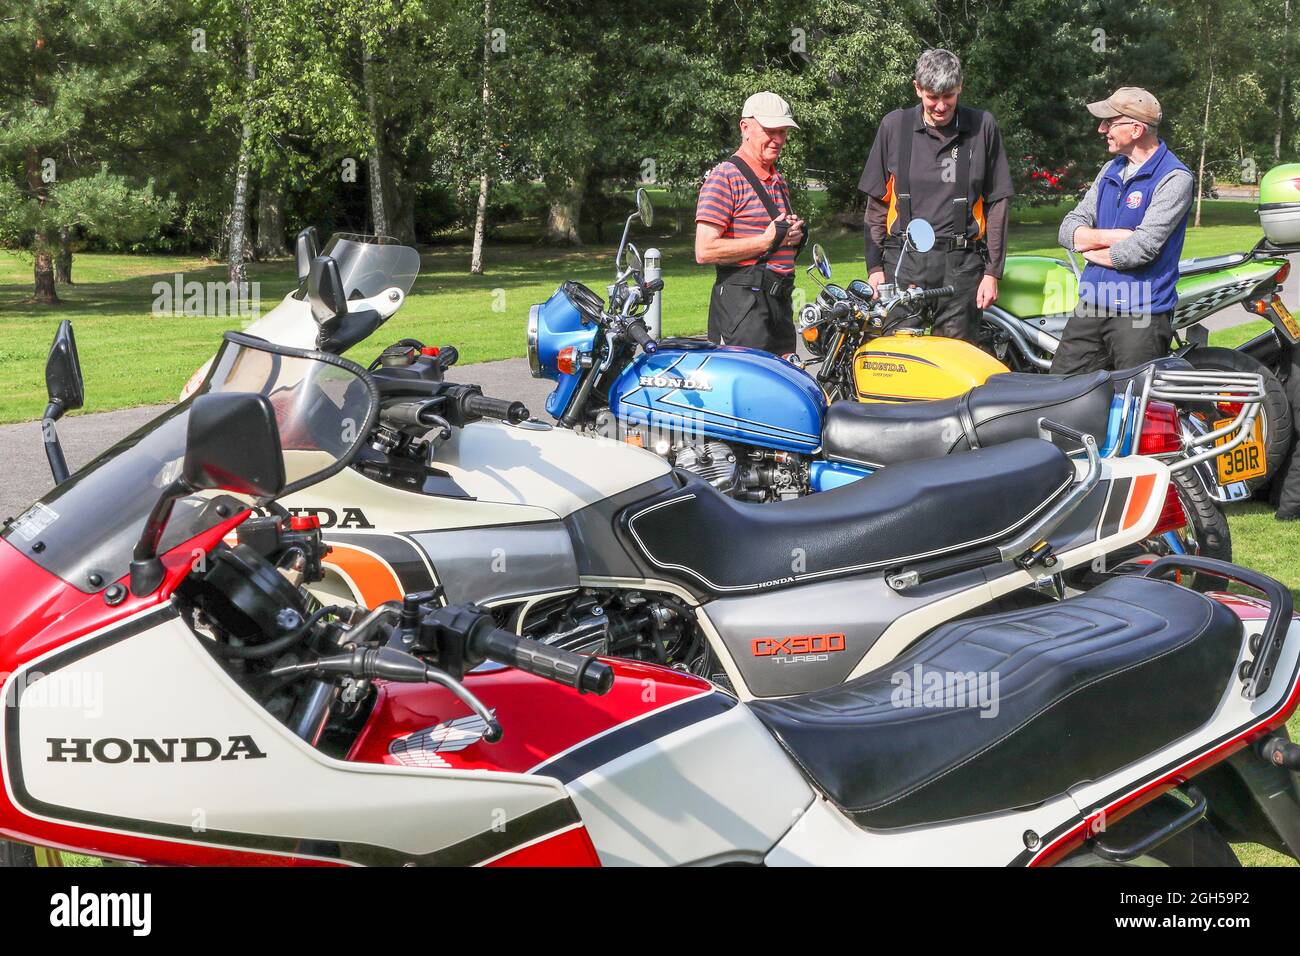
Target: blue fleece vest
<point x="1149" y="288"/>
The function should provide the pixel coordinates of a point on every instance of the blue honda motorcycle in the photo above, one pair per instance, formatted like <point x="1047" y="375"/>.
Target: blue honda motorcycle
<point x="760" y="428"/>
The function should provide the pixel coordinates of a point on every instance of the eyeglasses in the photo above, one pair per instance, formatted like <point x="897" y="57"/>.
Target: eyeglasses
<point x="1111" y="124"/>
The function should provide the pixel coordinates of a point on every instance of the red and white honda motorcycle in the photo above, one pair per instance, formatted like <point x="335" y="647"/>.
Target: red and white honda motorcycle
<point x="176" y="699"/>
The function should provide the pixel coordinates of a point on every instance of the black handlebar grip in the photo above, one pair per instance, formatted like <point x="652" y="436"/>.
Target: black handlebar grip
<point x="499" y="408"/>
<point x="940" y="293"/>
<point x="587" y="675"/>
<point x="639" y="334"/>
<point x="654" y="285"/>
<point x="447" y="355"/>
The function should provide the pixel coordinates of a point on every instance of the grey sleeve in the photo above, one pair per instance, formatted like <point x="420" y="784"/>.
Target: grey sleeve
<point x="1169" y="204"/>
<point x="1084" y="214"/>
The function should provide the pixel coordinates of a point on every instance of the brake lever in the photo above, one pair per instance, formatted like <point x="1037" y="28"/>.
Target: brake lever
<point x="391" y="664"/>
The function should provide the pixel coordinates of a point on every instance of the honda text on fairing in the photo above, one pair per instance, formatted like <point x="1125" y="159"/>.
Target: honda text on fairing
<point x="239" y="721"/>
<point x="599" y="546"/>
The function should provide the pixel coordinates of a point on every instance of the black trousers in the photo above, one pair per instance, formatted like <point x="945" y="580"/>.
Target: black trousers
<point x="963" y="269"/>
<point x="753" y="307"/>
<point x="1094" y="340"/>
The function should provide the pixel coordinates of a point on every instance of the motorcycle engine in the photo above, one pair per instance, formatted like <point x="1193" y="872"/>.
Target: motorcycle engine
<point x="714" y="461"/>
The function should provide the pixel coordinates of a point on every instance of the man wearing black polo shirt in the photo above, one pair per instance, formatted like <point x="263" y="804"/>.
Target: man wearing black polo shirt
<point x="943" y="163"/>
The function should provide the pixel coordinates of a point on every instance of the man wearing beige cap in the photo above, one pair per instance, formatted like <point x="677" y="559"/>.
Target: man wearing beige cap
<point x="1130" y="229"/>
<point x="746" y="227"/>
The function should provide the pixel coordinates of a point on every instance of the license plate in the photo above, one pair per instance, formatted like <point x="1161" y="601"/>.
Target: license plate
<point x="1288" y="322"/>
<point x="1247" y="459"/>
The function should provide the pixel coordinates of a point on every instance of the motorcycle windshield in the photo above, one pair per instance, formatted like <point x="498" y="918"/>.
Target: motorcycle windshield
<point x="85" y="530"/>
<point x="368" y="266"/>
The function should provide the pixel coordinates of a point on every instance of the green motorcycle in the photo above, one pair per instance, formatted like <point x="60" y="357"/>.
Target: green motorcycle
<point x="1037" y="295"/>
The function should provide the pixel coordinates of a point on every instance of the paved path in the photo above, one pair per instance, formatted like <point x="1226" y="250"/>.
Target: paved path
<point x="27" y="473"/>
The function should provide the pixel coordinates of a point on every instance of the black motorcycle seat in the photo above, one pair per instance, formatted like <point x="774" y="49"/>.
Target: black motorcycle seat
<point x="717" y="544"/>
<point x="1006" y="407"/>
<point x="1084" y="686"/>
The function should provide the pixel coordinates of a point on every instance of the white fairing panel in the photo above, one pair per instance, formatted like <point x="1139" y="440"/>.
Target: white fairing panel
<point x="825" y="837"/>
<point x="264" y="789"/>
<point x="552" y="468"/>
<point x="715" y="791"/>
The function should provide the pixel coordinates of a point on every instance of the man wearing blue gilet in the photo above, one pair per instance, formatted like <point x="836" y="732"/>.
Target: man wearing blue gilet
<point x="1130" y="229"/>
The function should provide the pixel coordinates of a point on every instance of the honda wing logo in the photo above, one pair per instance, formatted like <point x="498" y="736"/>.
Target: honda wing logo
<point x="424" y="748"/>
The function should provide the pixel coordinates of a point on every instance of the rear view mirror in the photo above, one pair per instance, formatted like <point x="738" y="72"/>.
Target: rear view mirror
<point x="340" y="329"/>
<point x="66" y="391"/>
<point x="921" y="235"/>
<point x="233" y="444"/>
<point x="644" y="209"/>
<point x="305" y="248"/>
<point x="325" y="291"/>
<point x="820" y="261"/>
<point x="63" y="382"/>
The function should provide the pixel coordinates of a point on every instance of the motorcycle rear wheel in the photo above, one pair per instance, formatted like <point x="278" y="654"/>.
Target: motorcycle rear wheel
<point x="1275" y="409"/>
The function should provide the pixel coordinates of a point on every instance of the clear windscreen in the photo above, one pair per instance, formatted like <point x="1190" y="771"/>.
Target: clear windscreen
<point x="368" y="267"/>
<point x="87" y="527"/>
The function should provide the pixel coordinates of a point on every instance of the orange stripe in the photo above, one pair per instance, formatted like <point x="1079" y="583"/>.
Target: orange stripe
<point x="892" y="201"/>
<point x="1137" y="501"/>
<point x="371" y="576"/>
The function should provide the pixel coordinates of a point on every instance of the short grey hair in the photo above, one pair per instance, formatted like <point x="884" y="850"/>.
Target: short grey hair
<point x="938" y="71"/>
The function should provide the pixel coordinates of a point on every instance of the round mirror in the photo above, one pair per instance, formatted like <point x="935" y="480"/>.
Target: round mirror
<point x="632" y="260"/>
<point x="820" y="261"/>
<point x="644" y="209"/>
<point x="921" y="234"/>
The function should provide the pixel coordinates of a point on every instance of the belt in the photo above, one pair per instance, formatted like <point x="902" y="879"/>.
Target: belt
<point x="951" y="243"/>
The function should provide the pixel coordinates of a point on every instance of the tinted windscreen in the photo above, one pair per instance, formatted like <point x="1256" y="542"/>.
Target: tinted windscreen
<point x="89" y="524"/>
<point x="368" y="268"/>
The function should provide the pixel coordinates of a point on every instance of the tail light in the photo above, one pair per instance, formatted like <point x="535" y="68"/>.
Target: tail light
<point x="1172" y="517"/>
<point x="1230" y="409"/>
<point x="1280" y="276"/>
<point x="567" y="360"/>
<point x="1160" y="432"/>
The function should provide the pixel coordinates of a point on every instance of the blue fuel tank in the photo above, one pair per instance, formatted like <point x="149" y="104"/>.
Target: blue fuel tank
<point x="721" y="391"/>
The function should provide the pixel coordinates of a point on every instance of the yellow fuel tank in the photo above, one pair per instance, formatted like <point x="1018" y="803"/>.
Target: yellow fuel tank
<point x="909" y="367"/>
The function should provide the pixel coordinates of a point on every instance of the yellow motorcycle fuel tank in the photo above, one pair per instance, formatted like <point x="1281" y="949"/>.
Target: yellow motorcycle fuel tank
<point x="908" y="367"/>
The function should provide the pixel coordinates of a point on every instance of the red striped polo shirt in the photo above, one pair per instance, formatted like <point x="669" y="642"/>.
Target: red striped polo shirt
<point x="729" y="202"/>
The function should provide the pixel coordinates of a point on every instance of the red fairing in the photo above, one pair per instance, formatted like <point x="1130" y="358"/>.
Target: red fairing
<point x="540" y="718"/>
<point x="41" y="612"/>
<point x="567" y="848"/>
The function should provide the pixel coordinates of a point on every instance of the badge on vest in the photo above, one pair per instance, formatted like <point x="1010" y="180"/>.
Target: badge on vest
<point x="1134" y="199"/>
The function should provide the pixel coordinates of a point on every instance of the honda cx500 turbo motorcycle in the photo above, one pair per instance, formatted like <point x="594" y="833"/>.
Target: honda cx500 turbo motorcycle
<point x="225" y="717"/>
<point x="598" y="546"/>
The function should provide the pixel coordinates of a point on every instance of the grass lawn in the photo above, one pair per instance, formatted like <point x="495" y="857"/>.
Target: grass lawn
<point x="132" y="357"/>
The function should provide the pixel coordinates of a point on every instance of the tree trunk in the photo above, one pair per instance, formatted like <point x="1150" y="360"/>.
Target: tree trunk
<point x="270" y="222"/>
<point x="44" y="276"/>
<point x="404" y="215"/>
<point x="1205" y="133"/>
<point x="378" y="214"/>
<point x="485" y="158"/>
<point x="63" y="260"/>
<point x="238" y="252"/>
<point x="566" y="208"/>
<point x="1281" y="92"/>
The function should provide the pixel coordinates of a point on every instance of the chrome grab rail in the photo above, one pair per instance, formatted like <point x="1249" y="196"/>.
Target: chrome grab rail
<point x="1209" y="387"/>
<point x="1050" y="521"/>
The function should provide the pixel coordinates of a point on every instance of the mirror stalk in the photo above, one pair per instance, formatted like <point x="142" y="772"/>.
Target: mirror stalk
<point x="146" y="567"/>
<point x="53" y="448"/>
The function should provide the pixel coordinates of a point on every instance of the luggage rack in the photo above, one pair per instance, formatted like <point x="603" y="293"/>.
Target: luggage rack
<point x="1208" y="387"/>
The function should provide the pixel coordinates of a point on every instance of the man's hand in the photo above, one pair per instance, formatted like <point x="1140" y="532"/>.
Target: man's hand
<point x="795" y="234"/>
<point x="987" y="293"/>
<point x="874" y="279"/>
<point x="1100" y="257"/>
